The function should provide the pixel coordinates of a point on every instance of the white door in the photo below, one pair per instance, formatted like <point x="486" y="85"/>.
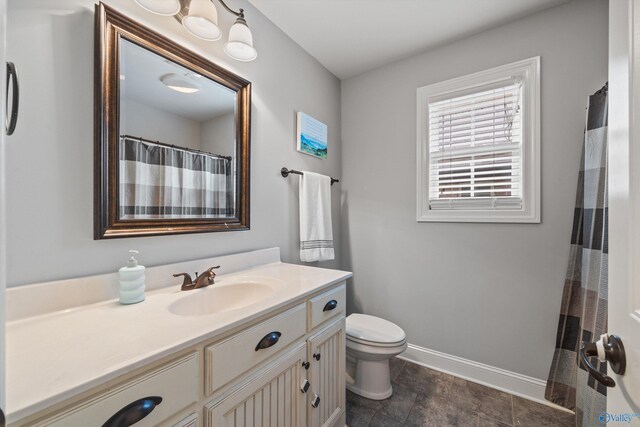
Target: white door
<point x="3" y="38"/>
<point x="624" y="203"/>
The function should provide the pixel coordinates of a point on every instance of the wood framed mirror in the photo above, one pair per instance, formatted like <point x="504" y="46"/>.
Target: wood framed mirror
<point x="172" y="136"/>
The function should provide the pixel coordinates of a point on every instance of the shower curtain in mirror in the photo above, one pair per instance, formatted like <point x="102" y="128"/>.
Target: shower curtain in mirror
<point x="583" y="313"/>
<point x="165" y="182"/>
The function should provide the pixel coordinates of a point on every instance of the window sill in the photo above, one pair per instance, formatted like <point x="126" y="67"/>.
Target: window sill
<point x="487" y="216"/>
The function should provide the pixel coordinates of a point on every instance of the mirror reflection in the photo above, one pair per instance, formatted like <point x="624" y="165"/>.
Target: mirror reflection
<point x="177" y="144"/>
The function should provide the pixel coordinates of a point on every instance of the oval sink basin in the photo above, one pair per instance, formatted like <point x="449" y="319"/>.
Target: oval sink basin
<point x="221" y="298"/>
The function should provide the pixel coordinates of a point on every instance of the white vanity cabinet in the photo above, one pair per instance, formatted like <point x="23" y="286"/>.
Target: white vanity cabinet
<point x="303" y="387"/>
<point x="291" y="392"/>
<point x="175" y="383"/>
<point x="326" y="351"/>
<point x="274" y="398"/>
<point x="284" y="368"/>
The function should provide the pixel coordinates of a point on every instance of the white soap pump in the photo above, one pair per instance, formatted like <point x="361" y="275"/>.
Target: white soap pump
<point x="132" y="281"/>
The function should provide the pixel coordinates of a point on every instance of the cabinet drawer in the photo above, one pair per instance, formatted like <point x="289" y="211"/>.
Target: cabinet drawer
<point x="176" y="383"/>
<point x="227" y="359"/>
<point x="325" y="306"/>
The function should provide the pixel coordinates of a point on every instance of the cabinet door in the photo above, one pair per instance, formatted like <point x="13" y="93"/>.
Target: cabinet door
<point x="274" y="398"/>
<point x="326" y="375"/>
<point x="190" y="421"/>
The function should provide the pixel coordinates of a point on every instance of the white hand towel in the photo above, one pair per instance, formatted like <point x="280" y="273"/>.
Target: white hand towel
<point x="316" y="235"/>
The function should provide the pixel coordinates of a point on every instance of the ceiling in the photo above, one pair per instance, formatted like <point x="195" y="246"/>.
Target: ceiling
<point x="350" y="37"/>
<point x="141" y="71"/>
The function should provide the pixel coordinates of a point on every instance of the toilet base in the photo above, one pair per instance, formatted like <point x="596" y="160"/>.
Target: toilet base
<point x="373" y="396"/>
<point x="372" y="379"/>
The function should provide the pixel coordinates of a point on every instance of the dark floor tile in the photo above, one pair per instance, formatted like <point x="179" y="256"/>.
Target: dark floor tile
<point x="487" y="401"/>
<point x="424" y="380"/>
<point x="359" y="416"/>
<point x="485" y="421"/>
<point x="528" y="413"/>
<point x="566" y="419"/>
<point x="357" y="400"/>
<point x="382" y="420"/>
<point x="395" y="366"/>
<point x="438" y="411"/>
<point x="399" y="404"/>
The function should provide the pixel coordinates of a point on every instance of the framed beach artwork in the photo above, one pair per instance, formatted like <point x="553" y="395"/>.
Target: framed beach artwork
<point x="312" y="136"/>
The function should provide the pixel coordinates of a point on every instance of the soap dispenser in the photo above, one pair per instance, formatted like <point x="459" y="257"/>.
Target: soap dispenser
<point x="132" y="281"/>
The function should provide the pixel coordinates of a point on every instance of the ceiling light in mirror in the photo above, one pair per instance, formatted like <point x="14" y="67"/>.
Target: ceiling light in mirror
<point x="240" y="44"/>
<point x="160" y="7"/>
<point x="179" y="83"/>
<point x="202" y="20"/>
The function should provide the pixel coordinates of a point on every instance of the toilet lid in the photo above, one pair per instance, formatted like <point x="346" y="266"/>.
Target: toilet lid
<point x="373" y="329"/>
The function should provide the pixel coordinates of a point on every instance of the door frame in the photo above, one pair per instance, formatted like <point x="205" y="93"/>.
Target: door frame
<point x="3" y="264"/>
<point x="624" y="198"/>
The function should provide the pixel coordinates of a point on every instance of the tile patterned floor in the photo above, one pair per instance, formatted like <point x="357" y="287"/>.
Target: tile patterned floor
<point x="424" y="397"/>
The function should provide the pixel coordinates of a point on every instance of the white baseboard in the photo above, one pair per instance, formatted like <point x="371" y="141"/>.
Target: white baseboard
<point x="500" y="379"/>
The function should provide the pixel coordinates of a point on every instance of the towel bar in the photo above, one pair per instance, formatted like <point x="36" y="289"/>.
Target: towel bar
<point x="285" y="173"/>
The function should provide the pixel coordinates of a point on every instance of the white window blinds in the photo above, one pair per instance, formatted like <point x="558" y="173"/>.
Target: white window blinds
<point x="475" y="149"/>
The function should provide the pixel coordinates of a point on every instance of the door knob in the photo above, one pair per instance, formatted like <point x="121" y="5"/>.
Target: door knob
<point x="12" y="115"/>
<point x="608" y="348"/>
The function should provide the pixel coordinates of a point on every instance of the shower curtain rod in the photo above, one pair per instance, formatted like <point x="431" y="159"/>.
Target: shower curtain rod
<point x="191" y="150"/>
<point x="285" y="173"/>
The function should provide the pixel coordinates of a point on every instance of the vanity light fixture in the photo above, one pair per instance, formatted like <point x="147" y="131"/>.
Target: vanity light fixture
<point x="200" y="19"/>
<point x="161" y="7"/>
<point x="179" y="84"/>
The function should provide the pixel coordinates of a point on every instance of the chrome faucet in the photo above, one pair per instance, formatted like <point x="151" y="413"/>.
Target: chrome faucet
<point x="205" y="279"/>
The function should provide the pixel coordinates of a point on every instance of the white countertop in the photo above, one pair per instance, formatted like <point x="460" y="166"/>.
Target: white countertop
<point x="56" y="356"/>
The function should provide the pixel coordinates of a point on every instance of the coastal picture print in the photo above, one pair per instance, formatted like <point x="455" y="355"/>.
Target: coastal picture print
<point x="312" y="136"/>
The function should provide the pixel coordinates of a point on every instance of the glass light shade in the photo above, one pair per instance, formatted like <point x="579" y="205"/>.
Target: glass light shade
<point x="160" y="7"/>
<point x="202" y="20"/>
<point x="240" y="44"/>
<point x="179" y="84"/>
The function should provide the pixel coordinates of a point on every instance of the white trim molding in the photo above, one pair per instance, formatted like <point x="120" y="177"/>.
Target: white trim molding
<point x="511" y="382"/>
<point x="528" y="211"/>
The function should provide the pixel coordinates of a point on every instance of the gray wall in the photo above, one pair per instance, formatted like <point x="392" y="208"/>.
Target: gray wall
<point x="218" y="135"/>
<point x="486" y="292"/>
<point x="153" y="123"/>
<point x="50" y="166"/>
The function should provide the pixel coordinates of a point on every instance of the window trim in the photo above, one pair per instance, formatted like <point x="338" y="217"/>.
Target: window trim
<point x="529" y="71"/>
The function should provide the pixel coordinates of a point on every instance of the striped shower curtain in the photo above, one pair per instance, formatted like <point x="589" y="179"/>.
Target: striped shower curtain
<point x="583" y="313"/>
<point x="165" y="182"/>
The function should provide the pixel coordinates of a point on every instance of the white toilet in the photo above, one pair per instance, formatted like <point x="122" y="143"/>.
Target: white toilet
<point x="371" y="342"/>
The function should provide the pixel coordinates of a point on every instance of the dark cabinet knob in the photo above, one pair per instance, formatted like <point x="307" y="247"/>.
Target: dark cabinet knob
<point x="305" y="386"/>
<point x="306" y="365"/>
<point x="330" y="305"/>
<point x="315" y="401"/>
<point x="269" y="340"/>
<point x="133" y="412"/>
<point x="316" y="356"/>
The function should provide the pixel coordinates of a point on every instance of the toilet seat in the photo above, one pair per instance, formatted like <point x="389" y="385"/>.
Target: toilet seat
<point x="373" y="331"/>
<point x="375" y="344"/>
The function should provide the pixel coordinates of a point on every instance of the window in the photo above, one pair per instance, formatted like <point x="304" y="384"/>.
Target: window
<point x="478" y="146"/>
